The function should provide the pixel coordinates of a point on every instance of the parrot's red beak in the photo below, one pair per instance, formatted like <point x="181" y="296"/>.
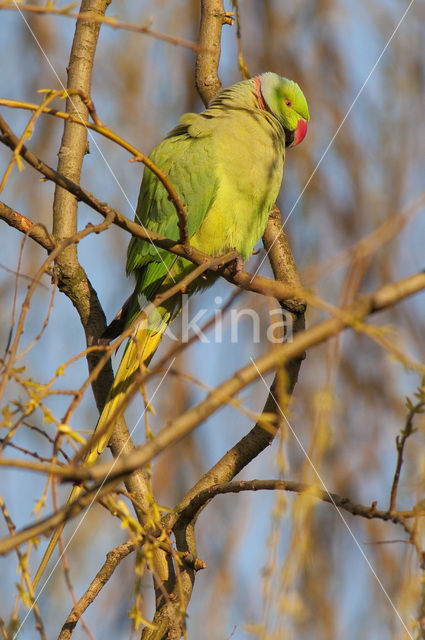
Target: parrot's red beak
<point x="300" y="132"/>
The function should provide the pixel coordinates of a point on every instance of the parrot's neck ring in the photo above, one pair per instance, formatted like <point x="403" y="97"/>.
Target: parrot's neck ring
<point x="259" y="95"/>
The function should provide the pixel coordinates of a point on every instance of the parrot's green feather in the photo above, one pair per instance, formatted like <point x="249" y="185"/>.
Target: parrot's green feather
<point x="183" y="157"/>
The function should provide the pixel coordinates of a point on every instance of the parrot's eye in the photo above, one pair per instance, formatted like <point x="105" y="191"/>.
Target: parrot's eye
<point x="288" y="103"/>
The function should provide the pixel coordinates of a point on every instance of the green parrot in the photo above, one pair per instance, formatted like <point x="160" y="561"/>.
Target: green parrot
<point x="226" y="164"/>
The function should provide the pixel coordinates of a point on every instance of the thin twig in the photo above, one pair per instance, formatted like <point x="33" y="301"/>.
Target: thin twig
<point x="25" y="306"/>
<point x="113" y="558"/>
<point x="23" y="565"/>
<point x="26" y="134"/>
<point x="108" y="21"/>
<point x="400" y="442"/>
<point x="48" y="524"/>
<point x="243" y="67"/>
<point x="99" y="127"/>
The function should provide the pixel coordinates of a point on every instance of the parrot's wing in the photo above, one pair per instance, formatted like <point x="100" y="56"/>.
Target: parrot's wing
<point x="187" y="156"/>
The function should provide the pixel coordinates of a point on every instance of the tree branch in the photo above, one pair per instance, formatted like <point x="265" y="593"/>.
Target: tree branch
<point x="113" y="558"/>
<point x="302" y="488"/>
<point x="379" y="300"/>
<point x="34" y="230"/>
<point x="213" y="17"/>
<point x="58" y="517"/>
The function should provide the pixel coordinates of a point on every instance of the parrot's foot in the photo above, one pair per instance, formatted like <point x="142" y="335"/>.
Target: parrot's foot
<point x="236" y="265"/>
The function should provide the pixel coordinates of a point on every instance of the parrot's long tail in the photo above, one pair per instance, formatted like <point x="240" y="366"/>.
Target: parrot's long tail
<point x="138" y="352"/>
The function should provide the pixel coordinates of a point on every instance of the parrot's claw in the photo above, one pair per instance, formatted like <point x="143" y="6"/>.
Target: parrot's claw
<point x="236" y="265"/>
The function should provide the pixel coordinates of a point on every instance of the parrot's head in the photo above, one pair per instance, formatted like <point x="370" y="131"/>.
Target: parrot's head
<point x="285" y="100"/>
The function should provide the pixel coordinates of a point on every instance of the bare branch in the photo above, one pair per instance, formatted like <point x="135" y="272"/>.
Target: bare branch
<point x="113" y="558"/>
<point x="302" y="488"/>
<point x="35" y="230"/>
<point x="75" y="117"/>
<point x="213" y="17"/>
<point x="400" y="442"/>
<point x="254" y="442"/>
